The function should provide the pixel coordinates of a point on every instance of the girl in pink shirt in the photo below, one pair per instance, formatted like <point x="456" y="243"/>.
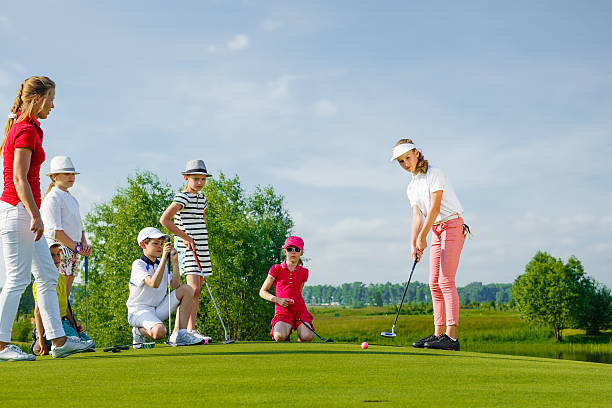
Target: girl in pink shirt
<point x="288" y="279"/>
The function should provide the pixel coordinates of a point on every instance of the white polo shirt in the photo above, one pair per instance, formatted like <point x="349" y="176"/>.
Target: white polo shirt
<point x="143" y="296"/>
<point x="59" y="210"/>
<point x="422" y="185"/>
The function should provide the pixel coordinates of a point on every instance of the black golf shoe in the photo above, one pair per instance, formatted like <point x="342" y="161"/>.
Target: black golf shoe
<point x="421" y="343"/>
<point x="443" y="343"/>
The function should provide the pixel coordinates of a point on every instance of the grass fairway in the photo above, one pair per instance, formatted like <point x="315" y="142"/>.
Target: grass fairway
<point x="303" y="375"/>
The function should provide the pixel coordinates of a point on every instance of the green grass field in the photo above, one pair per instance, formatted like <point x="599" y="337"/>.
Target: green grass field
<point x="303" y="375"/>
<point x="479" y="330"/>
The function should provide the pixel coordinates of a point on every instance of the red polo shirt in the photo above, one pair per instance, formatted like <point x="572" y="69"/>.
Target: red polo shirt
<point x="288" y="284"/>
<point x="26" y="134"/>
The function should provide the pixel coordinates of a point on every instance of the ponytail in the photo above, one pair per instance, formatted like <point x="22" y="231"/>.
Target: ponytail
<point x="29" y="92"/>
<point x="51" y="185"/>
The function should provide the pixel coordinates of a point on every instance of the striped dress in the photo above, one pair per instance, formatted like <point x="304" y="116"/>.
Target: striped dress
<point x="190" y="219"/>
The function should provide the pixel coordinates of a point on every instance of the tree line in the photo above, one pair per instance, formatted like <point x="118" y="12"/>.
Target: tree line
<point x="359" y="294"/>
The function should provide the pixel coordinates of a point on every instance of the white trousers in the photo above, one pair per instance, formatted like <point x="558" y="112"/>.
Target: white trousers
<point x="22" y="258"/>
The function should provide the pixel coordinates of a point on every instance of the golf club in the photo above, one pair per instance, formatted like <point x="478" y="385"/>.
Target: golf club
<point x="169" y="291"/>
<point x="86" y="296"/>
<point x="118" y="347"/>
<point x="392" y="334"/>
<point x="195" y="255"/>
<point x="309" y="328"/>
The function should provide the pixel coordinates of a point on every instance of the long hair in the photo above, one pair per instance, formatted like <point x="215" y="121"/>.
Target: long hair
<point x="30" y="92"/>
<point x="422" y="164"/>
<point x="51" y="185"/>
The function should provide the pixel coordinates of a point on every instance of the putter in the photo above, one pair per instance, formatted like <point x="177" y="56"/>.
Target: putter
<point x="118" y="347"/>
<point x="195" y="255"/>
<point x="392" y="334"/>
<point x="169" y="291"/>
<point x="309" y="328"/>
<point x="86" y="297"/>
<point x="312" y="330"/>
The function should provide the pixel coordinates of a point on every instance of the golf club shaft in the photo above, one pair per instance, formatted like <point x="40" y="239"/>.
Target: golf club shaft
<point x="310" y="328"/>
<point x="86" y="296"/>
<point x="195" y="255"/>
<point x="404" y="295"/>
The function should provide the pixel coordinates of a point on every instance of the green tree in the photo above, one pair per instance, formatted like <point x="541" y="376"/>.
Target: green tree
<point x="113" y="227"/>
<point x="549" y="291"/>
<point x="246" y="234"/>
<point x="595" y="312"/>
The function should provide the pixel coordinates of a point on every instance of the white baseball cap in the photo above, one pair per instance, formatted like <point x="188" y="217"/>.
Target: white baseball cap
<point x="150" y="232"/>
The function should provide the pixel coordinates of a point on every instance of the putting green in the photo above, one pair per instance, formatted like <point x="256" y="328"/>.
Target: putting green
<point x="303" y="375"/>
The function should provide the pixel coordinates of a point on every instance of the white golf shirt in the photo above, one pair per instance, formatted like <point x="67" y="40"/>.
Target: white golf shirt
<point x="143" y="296"/>
<point x="420" y="189"/>
<point x="60" y="211"/>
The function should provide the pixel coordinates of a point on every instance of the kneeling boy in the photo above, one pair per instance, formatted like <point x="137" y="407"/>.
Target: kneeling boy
<point x="148" y="304"/>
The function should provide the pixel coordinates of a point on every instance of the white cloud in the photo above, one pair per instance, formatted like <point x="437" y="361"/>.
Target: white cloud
<point x="324" y="108"/>
<point x="239" y="42"/>
<point x="271" y="25"/>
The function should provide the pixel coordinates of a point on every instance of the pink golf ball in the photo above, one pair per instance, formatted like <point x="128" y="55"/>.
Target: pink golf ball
<point x="364" y="345"/>
<point x="205" y="341"/>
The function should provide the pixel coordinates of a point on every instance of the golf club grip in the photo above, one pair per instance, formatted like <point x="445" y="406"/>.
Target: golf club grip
<point x="86" y="269"/>
<point x="195" y="255"/>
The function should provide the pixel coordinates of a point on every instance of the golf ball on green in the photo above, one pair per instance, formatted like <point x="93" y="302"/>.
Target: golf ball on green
<point x="364" y="345"/>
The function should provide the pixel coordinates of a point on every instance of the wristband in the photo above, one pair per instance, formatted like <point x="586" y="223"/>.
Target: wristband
<point x="77" y="248"/>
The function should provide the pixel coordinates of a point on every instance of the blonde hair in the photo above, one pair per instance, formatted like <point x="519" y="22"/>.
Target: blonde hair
<point x="51" y="185"/>
<point x="30" y="91"/>
<point x="422" y="164"/>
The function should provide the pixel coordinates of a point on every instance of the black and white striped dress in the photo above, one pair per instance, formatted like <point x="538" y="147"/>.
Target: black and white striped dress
<point x="190" y="218"/>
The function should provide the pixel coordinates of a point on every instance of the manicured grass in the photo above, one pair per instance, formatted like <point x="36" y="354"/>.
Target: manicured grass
<point x="303" y="375"/>
<point x="487" y="331"/>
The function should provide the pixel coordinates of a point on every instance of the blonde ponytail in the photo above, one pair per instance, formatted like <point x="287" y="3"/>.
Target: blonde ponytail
<point x="51" y="185"/>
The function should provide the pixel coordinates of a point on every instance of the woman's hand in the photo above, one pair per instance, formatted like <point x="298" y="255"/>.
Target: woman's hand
<point x="284" y="302"/>
<point x="414" y="254"/>
<point x="37" y="227"/>
<point x="174" y="256"/>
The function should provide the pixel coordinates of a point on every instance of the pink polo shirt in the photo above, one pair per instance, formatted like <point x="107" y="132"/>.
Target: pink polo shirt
<point x="288" y="284"/>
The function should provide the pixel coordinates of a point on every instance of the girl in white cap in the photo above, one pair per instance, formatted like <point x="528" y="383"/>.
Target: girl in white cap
<point x="62" y="218"/>
<point x="191" y="235"/>
<point x="435" y="207"/>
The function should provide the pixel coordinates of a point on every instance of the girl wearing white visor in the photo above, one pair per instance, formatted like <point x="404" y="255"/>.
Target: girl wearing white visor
<point x="435" y="207"/>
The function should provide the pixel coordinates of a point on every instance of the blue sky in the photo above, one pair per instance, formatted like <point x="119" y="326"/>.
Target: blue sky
<point x="512" y="100"/>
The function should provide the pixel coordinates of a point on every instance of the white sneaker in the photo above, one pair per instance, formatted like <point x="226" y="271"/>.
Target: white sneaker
<point x="137" y="338"/>
<point x="184" y="338"/>
<point x="200" y="335"/>
<point x="73" y="345"/>
<point x="13" y="353"/>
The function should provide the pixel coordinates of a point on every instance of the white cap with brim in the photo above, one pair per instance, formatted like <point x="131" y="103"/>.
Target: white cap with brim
<point x="150" y="232"/>
<point x="402" y="149"/>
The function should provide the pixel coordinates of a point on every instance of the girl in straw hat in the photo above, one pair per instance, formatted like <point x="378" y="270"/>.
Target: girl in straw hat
<point x="62" y="218"/>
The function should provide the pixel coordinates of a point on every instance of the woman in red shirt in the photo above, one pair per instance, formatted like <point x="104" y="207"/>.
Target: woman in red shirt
<point x="288" y="279"/>
<point x="21" y="226"/>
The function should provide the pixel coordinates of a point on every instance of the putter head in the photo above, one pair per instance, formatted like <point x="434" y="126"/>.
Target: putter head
<point x="229" y="341"/>
<point x="328" y="341"/>
<point x="387" y="334"/>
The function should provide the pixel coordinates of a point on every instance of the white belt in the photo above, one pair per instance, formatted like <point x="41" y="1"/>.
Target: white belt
<point x="450" y="217"/>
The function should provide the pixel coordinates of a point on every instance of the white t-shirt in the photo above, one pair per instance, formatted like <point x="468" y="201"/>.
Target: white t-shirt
<point x="59" y="210"/>
<point x="422" y="185"/>
<point x="141" y="294"/>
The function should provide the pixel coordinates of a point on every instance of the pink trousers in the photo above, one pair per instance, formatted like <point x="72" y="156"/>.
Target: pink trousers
<point x="446" y="245"/>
